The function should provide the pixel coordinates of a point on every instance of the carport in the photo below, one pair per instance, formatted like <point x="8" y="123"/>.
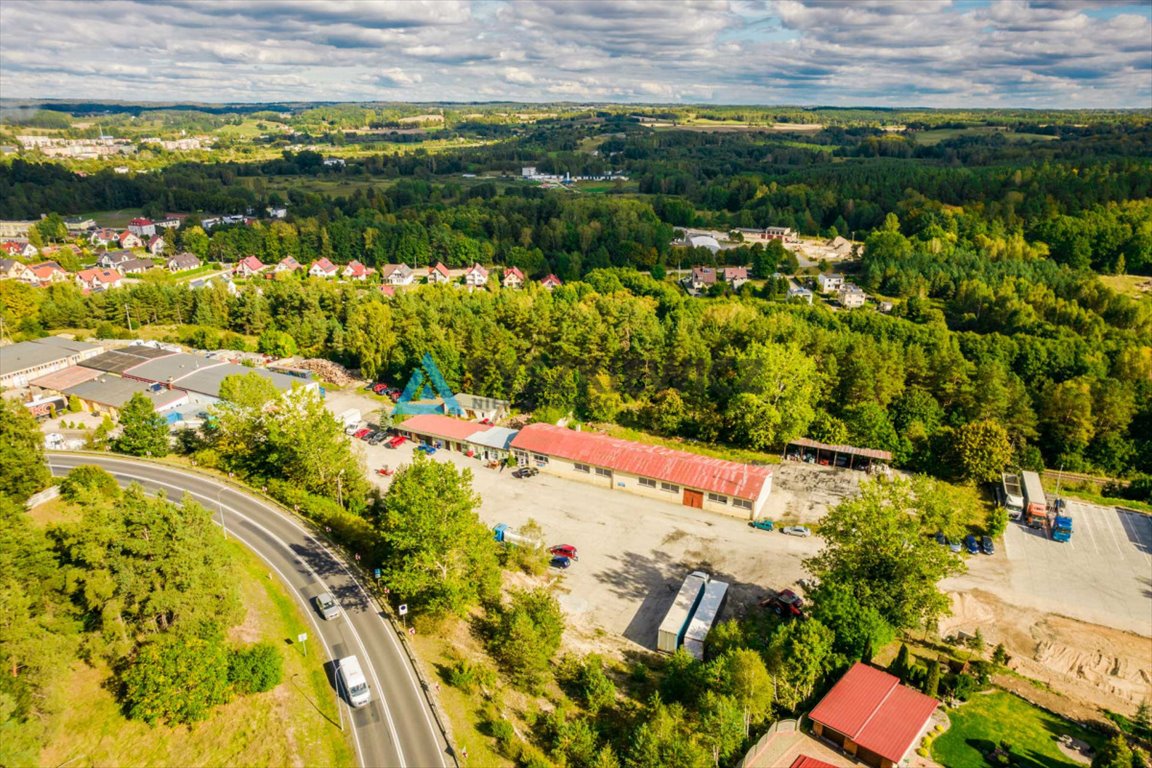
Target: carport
<point x="825" y="454"/>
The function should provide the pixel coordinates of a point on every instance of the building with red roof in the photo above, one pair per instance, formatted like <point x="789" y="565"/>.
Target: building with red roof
<point x="447" y="431"/>
<point x="476" y="276"/>
<point x="551" y="282"/>
<point x="803" y="761"/>
<point x="871" y="716"/>
<point x="98" y="279"/>
<point x="248" y="266"/>
<point x="513" y="278"/>
<point x="438" y="274"/>
<point x="322" y="267"/>
<point x="649" y="470"/>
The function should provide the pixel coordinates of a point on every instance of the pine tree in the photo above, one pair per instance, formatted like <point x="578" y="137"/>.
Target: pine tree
<point x="932" y="685"/>
<point x="900" y="666"/>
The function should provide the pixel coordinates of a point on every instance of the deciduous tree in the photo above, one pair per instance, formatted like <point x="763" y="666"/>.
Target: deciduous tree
<point x="144" y="432"/>
<point x="23" y="470"/>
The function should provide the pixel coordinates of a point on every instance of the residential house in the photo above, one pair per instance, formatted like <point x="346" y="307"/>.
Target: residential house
<point x="551" y="282"/>
<point x="104" y="236"/>
<point x="476" y="276"/>
<point x="209" y="222"/>
<point x="286" y="264"/>
<point x="11" y="248"/>
<point x="387" y="290"/>
<point x="852" y="296"/>
<point x="799" y="292"/>
<point x="29" y="251"/>
<point x="438" y="274"/>
<point x="76" y="224"/>
<point x="885" y="306"/>
<point x="322" y="267"/>
<point x="397" y="274"/>
<point x="872" y="717"/>
<point x="136" y="266"/>
<point x="208" y="282"/>
<point x="98" y="279"/>
<point x="734" y="276"/>
<point x="142" y="227"/>
<point x="354" y="270"/>
<point x="156" y="245"/>
<point x="830" y="282"/>
<point x="113" y="259"/>
<point x="130" y="240"/>
<point x="699" y="279"/>
<point x="513" y="278"/>
<point x="10" y="269"/>
<point x="248" y="266"/>
<point x="171" y="221"/>
<point x="277" y="212"/>
<point x="182" y="261"/>
<point x="44" y="273"/>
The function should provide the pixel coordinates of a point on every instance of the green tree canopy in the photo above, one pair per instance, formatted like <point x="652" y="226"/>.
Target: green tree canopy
<point x="23" y="470"/>
<point x="144" y="432"/>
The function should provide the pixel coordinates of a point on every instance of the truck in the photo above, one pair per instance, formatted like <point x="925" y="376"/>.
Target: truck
<point x="1035" y="502"/>
<point x="1062" y="528"/>
<point x="350" y="418"/>
<point x="671" y="633"/>
<point x="505" y="534"/>
<point x="711" y="604"/>
<point x="1013" y="495"/>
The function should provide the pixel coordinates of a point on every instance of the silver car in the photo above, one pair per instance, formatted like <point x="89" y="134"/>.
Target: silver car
<point x="797" y="530"/>
<point x="327" y="605"/>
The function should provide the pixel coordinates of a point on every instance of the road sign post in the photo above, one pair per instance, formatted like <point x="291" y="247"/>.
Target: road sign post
<point x="302" y="638"/>
<point x="403" y="611"/>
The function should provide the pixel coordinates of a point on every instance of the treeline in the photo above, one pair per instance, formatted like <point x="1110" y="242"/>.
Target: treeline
<point x="137" y="582"/>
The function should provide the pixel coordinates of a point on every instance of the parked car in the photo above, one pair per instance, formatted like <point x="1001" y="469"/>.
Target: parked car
<point x="371" y="433"/>
<point x="797" y="530"/>
<point x="361" y="433"/>
<point x="526" y="472"/>
<point x="425" y="448"/>
<point x="971" y="544"/>
<point x="784" y="603"/>
<point x="564" y="550"/>
<point x="941" y="538"/>
<point x="327" y="605"/>
<point x="954" y="545"/>
<point x="559" y="561"/>
<point x="986" y="545"/>
<point x="763" y="524"/>
<point x="395" y="442"/>
<point x="377" y="438"/>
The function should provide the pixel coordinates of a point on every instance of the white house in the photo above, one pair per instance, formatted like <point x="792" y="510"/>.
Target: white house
<point x="130" y="240"/>
<point x="551" y="282"/>
<point x="142" y="227"/>
<point x="98" y="279"/>
<point x="830" y="282"/>
<point x="438" y="274"/>
<point x="397" y="274"/>
<point x="513" y="278"/>
<point x="354" y="270"/>
<point x="156" y="245"/>
<point x="183" y="261"/>
<point x="476" y="276"/>
<point x="286" y="264"/>
<point x="799" y="292"/>
<point x="851" y="296"/>
<point x="322" y="267"/>
<point x="249" y="266"/>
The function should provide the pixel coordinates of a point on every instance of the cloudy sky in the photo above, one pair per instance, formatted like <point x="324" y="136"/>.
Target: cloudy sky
<point x="943" y="53"/>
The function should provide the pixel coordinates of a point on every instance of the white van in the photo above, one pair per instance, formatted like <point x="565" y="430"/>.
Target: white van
<point x="354" y="682"/>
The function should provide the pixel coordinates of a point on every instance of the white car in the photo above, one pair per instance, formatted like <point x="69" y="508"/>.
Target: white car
<point x="797" y="530"/>
<point x="327" y="606"/>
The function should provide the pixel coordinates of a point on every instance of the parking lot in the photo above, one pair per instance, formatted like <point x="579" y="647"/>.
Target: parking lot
<point x="633" y="551"/>
<point x="1103" y="574"/>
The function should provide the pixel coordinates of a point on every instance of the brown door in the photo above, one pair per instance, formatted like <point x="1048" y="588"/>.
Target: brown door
<point x="693" y="499"/>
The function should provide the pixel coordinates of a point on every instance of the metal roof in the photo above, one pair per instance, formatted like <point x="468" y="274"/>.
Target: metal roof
<point x="30" y="354"/>
<point x="730" y="478"/>
<point x="114" y="392"/>
<point x="207" y="380"/>
<point x="803" y="761"/>
<point x="496" y="437"/>
<point x="445" y="427"/>
<point x="69" y="377"/>
<point x="872" y="708"/>
<point x="120" y="360"/>
<point x="171" y="367"/>
<point x="869" y="453"/>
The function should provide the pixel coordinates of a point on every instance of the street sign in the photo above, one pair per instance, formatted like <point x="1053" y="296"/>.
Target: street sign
<point x="376" y="573"/>
<point x="302" y="637"/>
<point x="404" y="609"/>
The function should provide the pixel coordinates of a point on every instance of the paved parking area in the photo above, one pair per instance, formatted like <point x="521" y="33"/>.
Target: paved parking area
<point x="1103" y="574"/>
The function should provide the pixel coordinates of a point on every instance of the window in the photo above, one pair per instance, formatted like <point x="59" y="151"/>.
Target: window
<point x="647" y="483"/>
<point x="541" y="460"/>
<point x="670" y="487"/>
<point x="717" y="498"/>
<point x="581" y="468"/>
<point x="603" y="472"/>
<point x="741" y="504"/>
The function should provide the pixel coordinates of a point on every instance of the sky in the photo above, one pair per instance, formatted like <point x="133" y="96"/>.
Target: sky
<point x="931" y="53"/>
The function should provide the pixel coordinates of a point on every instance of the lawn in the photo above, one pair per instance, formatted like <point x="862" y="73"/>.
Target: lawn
<point x="979" y="725"/>
<point x="297" y="723"/>
<point x="1136" y="286"/>
<point x="114" y="219"/>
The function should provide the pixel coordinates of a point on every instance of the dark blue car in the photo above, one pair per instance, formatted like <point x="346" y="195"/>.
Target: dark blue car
<point x="560" y="561"/>
<point x="971" y="544"/>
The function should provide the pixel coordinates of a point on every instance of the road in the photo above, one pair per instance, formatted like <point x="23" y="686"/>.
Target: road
<point x="398" y="727"/>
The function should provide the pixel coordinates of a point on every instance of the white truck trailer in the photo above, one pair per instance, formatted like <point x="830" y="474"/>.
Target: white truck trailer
<point x="1013" y="496"/>
<point x="349" y="418"/>
<point x="711" y="603"/>
<point x="671" y="632"/>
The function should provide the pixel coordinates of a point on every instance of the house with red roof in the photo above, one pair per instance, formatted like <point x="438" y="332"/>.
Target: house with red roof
<point x="679" y="477"/>
<point x="872" y="717"/>
<point x="104" y="236"/>
<point x="438" y="274"/>
<point x="476" y="276"/>
<point x="98" y="279"/>
<point x="397" y="274"/>
<point x="513" y="278"/>
<point x="387" y="290"/>
<point x="322" y="267"/>
<point x="248" y="266"/>
<point x="286" y="264"/>
<point x="12" y="248"/>
<point x="156" y="245"/>
<point x="142" y="227"/>
<point x="551" y="282"/>
<point x="354" y="270"/>
<point x="130" y="240"/>
<point x="44" y="273"/>
<point x="449" y="432"/>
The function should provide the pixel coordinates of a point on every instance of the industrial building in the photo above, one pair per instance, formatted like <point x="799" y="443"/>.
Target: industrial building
<point x="23" y="362"/>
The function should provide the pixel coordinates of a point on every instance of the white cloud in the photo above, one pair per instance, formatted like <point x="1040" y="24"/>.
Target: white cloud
<point x="1060" y="53"/>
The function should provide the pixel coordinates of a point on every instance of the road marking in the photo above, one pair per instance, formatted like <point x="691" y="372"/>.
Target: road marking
<point x="286" y="548"/>
<point x="1111" y="529"/>
<point x="1083" y="516"/>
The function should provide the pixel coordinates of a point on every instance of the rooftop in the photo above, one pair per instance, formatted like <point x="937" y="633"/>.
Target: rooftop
<point x="207" y="380"/>
<point x="30" y="354"/>
<point x="69" y="377"/>
<point x="729" y="478"/>
<point x="496" y="437"/>
<point x="114" y="392"/>
<point x="171" y="367"/>
<point x="873" y="709"/>
<point x="444" y="427"/>
<point x="120" y="360"/>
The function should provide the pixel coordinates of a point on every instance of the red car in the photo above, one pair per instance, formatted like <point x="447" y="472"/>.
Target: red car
<point x="395" y="442"/>
<point x="379" y="388"/>
<point x="564" y="550"/>
<point x="360" y="433"/>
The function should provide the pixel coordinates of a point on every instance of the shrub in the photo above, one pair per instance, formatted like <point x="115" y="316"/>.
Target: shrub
<point x="88" y="479"/>
<point x="256" y="669"/>
<point x="177" y="676"/>
<point x="996" y="521"/>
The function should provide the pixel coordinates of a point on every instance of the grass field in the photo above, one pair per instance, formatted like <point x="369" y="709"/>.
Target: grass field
<point x="987" y="719"/>
<point x="114" y="219"/>
<point x="1129" y="285"/>
<point x="606" y="187"/>
<point x="297" y="723"/>
<point x="935" y="136"/>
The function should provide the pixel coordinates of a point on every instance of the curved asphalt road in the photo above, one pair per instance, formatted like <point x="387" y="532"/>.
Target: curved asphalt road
<point x="397" y="728"/>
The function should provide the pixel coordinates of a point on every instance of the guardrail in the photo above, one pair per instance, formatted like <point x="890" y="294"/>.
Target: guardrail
<point x="384" y="607"/>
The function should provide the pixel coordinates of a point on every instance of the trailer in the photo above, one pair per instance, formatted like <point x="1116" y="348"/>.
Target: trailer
<point x="1035" y="502"/>
<point x="671" y="632"/>
<point x="505" y="534"/>
<point x="711" y="604"/>
<point x="1012" y="495"/>
<point x="349" y="418"/>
